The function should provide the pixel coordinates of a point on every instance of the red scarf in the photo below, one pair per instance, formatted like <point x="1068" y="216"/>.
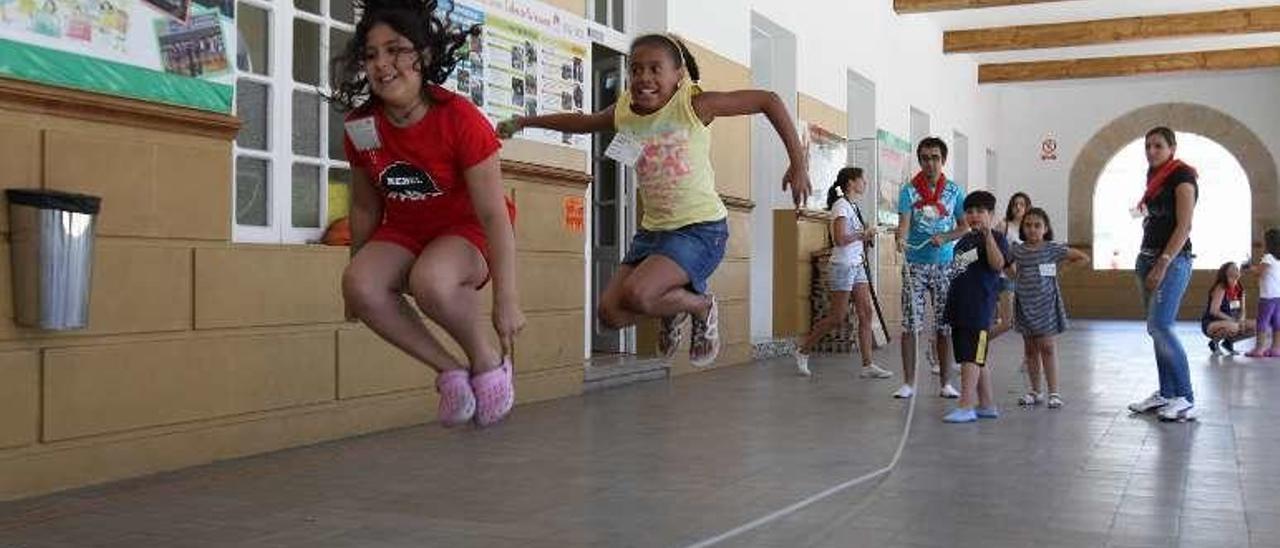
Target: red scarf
<point x="928" y="198"/>
<point x="1233" y="293"/>
<point x="1157" y="179"/>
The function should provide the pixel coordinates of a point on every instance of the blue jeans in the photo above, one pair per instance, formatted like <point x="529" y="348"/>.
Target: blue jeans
<point x="697" y="248"/>
<point x="1162" y="310"/>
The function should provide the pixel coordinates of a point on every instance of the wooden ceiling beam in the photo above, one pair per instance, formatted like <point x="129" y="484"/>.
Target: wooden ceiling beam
<point x="1110" y="31"/>
<point x="1103" y="67"/>
<point x="922" y="6"/>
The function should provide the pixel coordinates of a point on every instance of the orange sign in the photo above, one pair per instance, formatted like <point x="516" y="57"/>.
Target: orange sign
<point x="575" y="214"/>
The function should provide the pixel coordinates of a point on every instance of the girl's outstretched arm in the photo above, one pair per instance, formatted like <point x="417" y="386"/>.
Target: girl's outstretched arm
<point x="568" y="122"/>
<point x="713" y="104"/>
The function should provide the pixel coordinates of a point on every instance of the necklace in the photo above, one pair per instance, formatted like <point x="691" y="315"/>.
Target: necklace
<point x="402" y="119"/>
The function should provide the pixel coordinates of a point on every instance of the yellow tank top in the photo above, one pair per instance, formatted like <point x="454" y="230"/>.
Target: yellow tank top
<point x="677" y="184"/>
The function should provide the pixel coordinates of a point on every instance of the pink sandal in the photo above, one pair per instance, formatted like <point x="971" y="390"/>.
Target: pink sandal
<point x="495" y="394"/>
<point x="457" y="402"/>
<point x="1258" y="353"/>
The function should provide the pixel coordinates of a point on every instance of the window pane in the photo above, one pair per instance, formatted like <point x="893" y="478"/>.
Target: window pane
<point x="338" y="40"/>
<point x="339" y="193"/>
<point x="336" y="129"/>
<point x="306" y="123"/>
<point x="251" y="107"/>
<point x="312" y="6"/>
<point x="602" y="12"/>
<point x="619" y="15"/>
<point x="306" y="52"/>
<point x="253" y="199"/>
<point x="306" y="196"/>
<point x="341" y="10"/>
<point x="251" y="46"/>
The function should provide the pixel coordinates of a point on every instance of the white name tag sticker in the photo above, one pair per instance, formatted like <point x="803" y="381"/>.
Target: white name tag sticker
<point x="363" y="133"/>
<point x="625" y="149"/>
<point x="967" y="258"/>
<point x="1049" y="270"/>
<point x="1235" y="305"/>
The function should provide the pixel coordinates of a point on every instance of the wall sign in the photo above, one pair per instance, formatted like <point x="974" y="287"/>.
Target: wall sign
<point x="169" y="51"/>
<point x="530" y="59"/>
<point x="575" y="214"/>
<point x="1048" y="149"/>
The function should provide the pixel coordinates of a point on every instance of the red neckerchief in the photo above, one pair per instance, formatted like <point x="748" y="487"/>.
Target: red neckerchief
<point x="927" y="198"/>
<point x="1157" y="179"/>
<point x="1233" y="293"/>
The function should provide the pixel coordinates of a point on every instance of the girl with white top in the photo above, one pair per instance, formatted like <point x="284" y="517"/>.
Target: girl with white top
<point x="848" y="274"/>
<point x="1010" y="226"/>
<point x="1268" y="297"/>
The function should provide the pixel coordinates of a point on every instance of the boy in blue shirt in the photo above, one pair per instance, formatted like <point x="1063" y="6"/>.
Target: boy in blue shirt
<point x="979" y="257"/>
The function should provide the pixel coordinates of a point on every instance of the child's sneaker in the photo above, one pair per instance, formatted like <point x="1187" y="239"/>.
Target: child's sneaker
<point x="670" y="331"/>
<point x="802" y="364"/>
<point x="1031" y="399"/>
<point x="904" y="392"/>
<point x="960" y="414"/>
<point x="1153" y="402"/>
<point x="495" y="394"/>
<point x="987" y="412"/>
<point x="1178" y="409"/>
<point x="1213" y="347"/>
<point x="704" y="345"/>
<point x="1055" y="401"/>
<point x="948" y="392"/>
<point x="874" y="371"/>
<point x="457" y="401"/>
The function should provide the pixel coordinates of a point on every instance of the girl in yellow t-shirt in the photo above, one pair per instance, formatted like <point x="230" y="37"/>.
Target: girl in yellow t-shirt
<point x="662" y="123"/>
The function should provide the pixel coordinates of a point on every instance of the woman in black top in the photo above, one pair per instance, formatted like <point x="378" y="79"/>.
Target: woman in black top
<point x="1164" y="269"/>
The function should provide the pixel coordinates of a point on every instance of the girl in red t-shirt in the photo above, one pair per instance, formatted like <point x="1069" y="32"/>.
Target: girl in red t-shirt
<point x="429" y="213"/>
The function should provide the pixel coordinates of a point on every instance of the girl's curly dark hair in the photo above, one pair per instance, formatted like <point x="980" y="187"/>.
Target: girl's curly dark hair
<point x="436" y="38"/>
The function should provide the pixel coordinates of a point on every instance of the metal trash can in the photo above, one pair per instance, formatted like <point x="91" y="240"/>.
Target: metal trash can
<point x="51" y="253"/>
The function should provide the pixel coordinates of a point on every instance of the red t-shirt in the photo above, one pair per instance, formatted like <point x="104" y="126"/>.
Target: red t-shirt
<point x="419" y="169"/>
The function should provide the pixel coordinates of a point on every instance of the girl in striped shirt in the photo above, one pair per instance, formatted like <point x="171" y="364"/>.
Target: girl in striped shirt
<point x="1039" y="311"/>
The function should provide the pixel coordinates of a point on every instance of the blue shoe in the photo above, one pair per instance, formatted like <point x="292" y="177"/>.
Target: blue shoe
<point x="959" y="415"/>
<point x="988" y="412"/>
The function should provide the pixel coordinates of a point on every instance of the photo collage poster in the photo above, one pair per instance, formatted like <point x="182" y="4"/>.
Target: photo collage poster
<point x="530" y="59"/>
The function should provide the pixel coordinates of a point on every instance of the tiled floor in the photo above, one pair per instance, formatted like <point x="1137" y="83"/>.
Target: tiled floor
<point x="673" y="463"/>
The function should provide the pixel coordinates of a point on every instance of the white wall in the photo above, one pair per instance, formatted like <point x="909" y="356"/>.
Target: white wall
<point x="901" y="54"/>
<point x="1073" y="112"/>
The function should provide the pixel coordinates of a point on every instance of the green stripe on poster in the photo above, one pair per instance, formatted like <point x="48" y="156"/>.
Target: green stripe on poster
<point x="59" y="68"/>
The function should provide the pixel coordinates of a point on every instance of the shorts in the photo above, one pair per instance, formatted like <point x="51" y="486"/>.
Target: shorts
<point x="698" y="249"/>
<point x="845" y="276"/>
<point x="920" y="279"/>
<point x="416" y="238"/>
<point x="1008" y="285"/>
<point x="969" y="345"/>
<point x="1268" y="315"/>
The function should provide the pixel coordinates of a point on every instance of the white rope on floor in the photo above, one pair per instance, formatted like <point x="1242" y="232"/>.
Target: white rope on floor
<point x="833" y="490"/>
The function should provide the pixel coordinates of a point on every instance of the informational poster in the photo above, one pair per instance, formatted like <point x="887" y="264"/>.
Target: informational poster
<point x="530" y="59"/>
<point x="893" y="170"/>
<point x="828" y="154"/>
<point x="170" y="51"/>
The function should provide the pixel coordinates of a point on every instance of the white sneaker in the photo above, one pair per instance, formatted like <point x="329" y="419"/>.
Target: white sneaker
<point x="904" y="392"/>
<point x="1178" y="409"/>
<point x="1153" y="402"/>
<point x="802" y="364"/>
<point x="948" y="392"/>
<point x="1031" y="399"/>
<point x="874" y="371"/>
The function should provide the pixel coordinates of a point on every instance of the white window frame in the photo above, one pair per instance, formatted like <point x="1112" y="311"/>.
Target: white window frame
<point x="627" y="16"/>
<point x="279" y="151"/>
